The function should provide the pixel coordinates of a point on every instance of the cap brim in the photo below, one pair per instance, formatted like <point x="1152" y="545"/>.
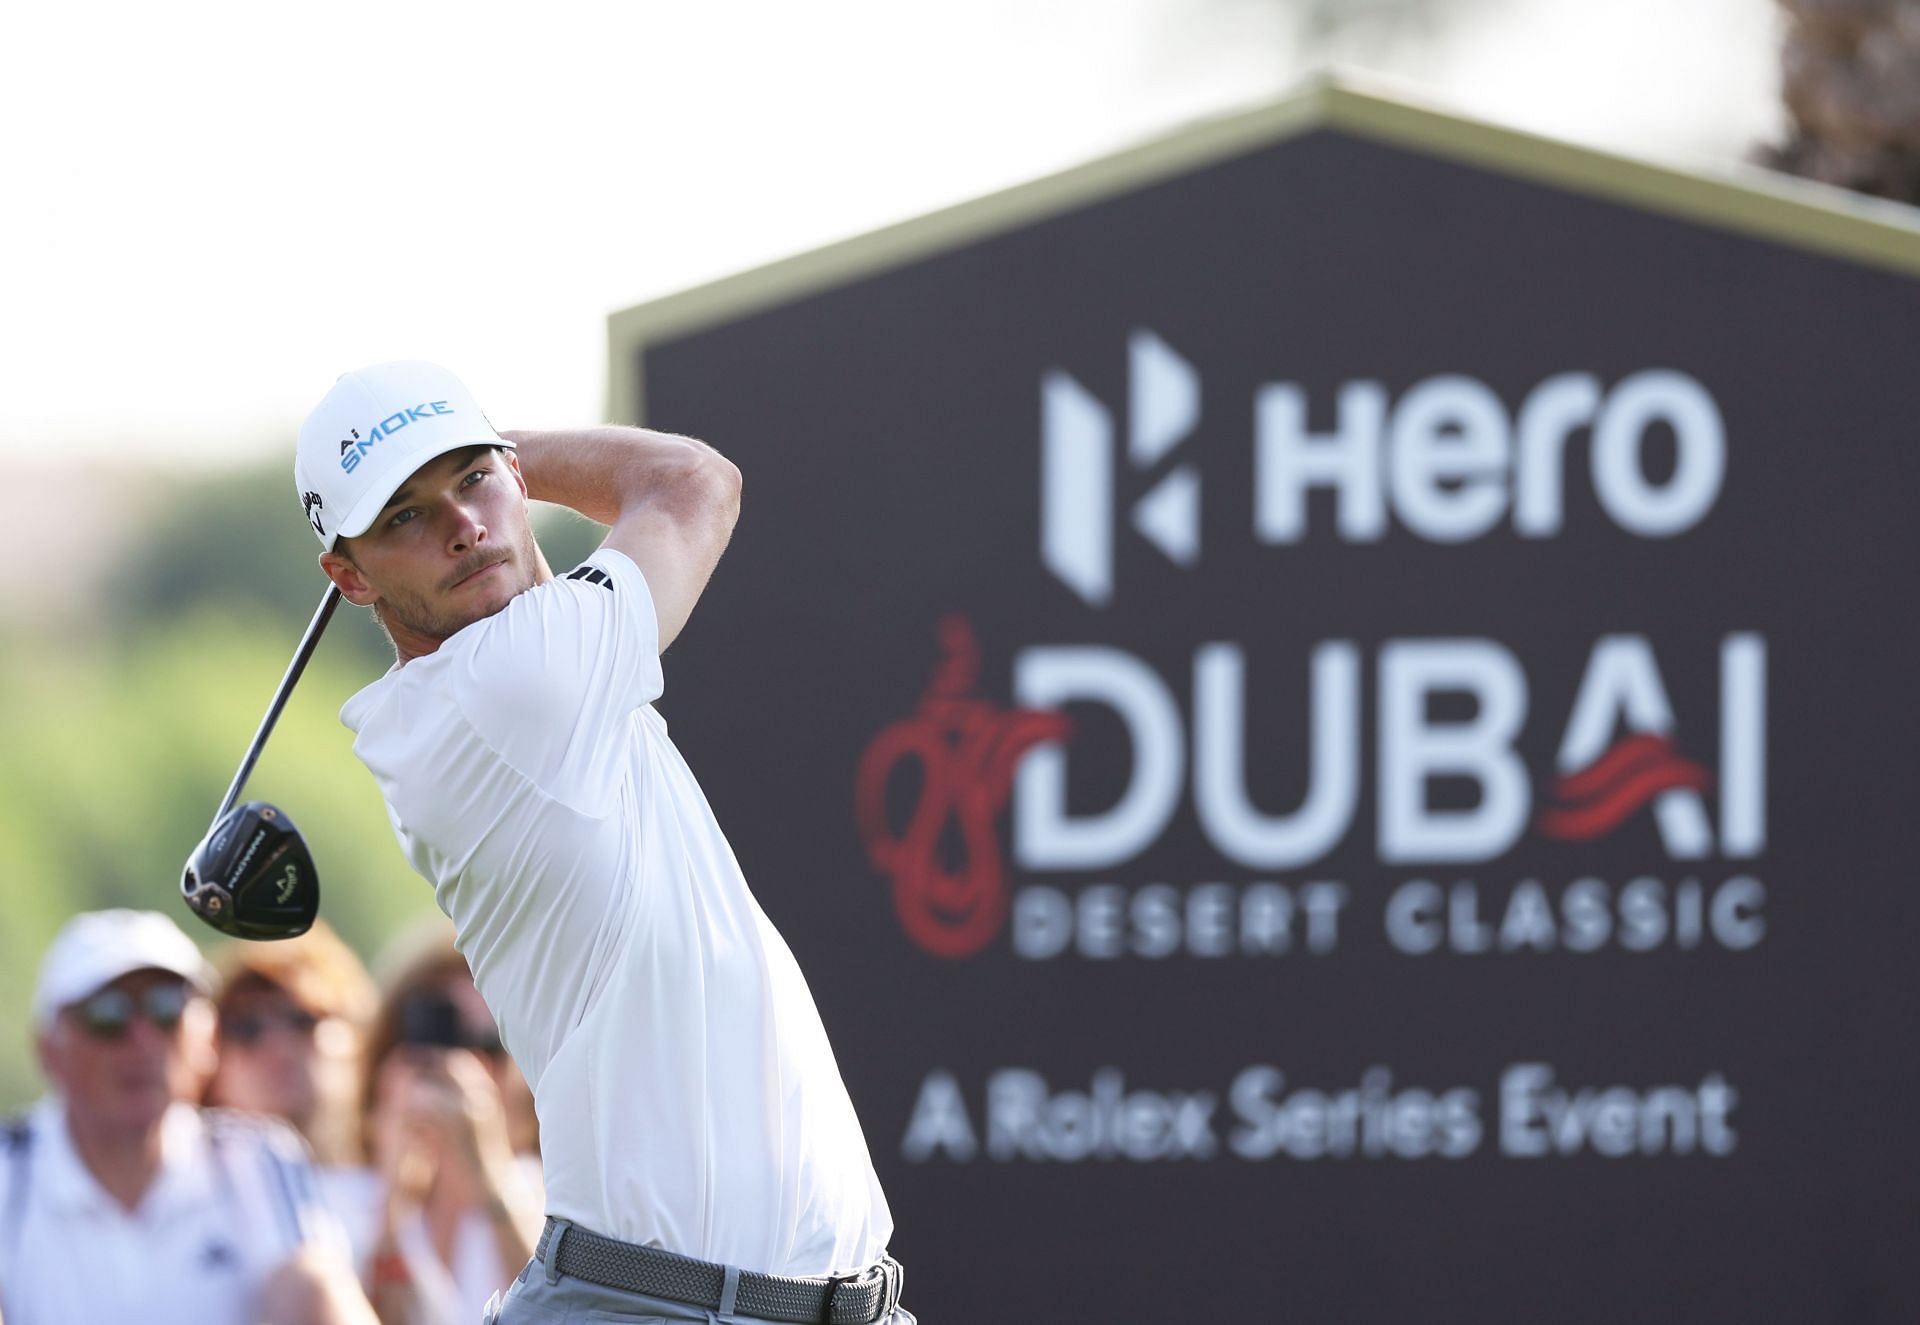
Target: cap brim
<point x="374" y="500"/>
<point x="86" y="983"/>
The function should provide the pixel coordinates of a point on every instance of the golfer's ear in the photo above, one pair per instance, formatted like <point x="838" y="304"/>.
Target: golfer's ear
<point x="346" y="576"/>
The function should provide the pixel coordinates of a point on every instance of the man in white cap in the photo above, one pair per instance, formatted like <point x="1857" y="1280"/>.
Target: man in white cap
<point x="702" y="1157"/>
<point x="119" y="1199"/>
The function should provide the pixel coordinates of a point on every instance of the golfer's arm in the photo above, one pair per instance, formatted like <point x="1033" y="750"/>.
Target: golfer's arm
<point x="671" y="502"/>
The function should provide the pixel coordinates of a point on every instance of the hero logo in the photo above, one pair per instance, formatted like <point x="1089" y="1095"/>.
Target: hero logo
<point x="354" y="449"/>
<point x="1445" y="459"/>
<point x="1076" y="468"/>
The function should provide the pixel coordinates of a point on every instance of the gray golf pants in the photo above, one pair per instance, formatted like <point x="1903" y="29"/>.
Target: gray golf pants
<point x="534" y="1300"/>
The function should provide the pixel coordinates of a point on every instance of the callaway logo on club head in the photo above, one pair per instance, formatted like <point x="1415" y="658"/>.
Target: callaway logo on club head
<point x="310" y="502"/>
<point x="346" y="444"/>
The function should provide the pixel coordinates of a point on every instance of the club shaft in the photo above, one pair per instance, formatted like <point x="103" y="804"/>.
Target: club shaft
<point x="299" y="664"/>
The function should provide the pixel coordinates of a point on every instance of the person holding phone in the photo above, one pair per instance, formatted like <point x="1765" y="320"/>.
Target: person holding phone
<point x="291" y="1017"/>
<point x="451" y="1205"/>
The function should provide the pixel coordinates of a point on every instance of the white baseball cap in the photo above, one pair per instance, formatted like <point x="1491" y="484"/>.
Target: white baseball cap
<point x="373" y="429"/>
<point x="96" y="948"/>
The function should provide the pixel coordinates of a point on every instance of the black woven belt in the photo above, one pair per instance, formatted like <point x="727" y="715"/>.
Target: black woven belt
<point x="857" y="1299"/>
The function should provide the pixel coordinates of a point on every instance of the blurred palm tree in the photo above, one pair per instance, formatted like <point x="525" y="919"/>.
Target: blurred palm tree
<point x="1851" y="79"/>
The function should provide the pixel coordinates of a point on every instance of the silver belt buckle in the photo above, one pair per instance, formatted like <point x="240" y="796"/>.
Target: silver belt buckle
<point x="896" y="1274"/>
<point x="886" y="1270"/>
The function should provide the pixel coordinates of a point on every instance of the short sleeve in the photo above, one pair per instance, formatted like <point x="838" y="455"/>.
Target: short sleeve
<point x="555" y="677"/>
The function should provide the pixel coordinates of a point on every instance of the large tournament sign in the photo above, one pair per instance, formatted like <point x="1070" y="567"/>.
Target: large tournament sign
<point x="1329" y="708"/>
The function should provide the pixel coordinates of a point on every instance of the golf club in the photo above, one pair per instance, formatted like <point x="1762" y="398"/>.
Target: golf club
<point x="252" y="875"/>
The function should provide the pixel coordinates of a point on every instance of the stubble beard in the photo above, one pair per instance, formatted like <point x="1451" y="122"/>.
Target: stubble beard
<point x="421" y="615"/>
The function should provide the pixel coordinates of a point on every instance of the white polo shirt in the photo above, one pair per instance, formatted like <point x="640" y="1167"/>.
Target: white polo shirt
<point x="686" y="1091"/>
<point x="234" y="1199"/>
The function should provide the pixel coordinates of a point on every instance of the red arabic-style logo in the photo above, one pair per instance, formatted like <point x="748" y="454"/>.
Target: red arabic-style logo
<point x="1597" y="799"/>
<point x="967" y="748"/>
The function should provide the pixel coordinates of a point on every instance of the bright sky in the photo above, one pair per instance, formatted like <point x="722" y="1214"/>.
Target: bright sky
<point x="213" y="209"/>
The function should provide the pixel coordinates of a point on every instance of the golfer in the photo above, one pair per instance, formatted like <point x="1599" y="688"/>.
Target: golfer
<point x="702" y="1158"/>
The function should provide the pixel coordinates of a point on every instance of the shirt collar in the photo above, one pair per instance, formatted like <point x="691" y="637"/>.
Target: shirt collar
<point x="186" y="1162"/>
<point x="185" y="1175"/>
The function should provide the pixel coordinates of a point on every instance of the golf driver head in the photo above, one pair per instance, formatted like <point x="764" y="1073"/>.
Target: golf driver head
<point x="252" y="875"/>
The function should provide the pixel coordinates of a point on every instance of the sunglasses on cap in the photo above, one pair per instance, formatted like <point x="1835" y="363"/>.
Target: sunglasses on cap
<point x="249" y="1028"/>
<point x="107" y="1014"/>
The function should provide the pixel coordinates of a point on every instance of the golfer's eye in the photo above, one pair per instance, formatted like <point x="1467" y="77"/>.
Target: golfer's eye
<point x="402" y="517"/>
<point x="473" y="478"/>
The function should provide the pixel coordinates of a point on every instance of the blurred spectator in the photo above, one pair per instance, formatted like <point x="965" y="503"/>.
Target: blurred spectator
<point x="119" y="1199"/>
<point x="292" y="1019"/>
<point x="456" y="1205"/>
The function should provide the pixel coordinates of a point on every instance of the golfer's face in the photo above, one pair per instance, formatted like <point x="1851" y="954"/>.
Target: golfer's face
<point x="453" y="546"/>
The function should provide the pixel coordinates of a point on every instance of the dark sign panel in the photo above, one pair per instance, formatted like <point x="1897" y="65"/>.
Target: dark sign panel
<point x="1333" y="732"/>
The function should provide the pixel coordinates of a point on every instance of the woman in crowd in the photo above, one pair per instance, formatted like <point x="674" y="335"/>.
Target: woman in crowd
<point x="456" y="1202"/>
<point x="291" y="1031"/>
<point x="292" y="1015"/>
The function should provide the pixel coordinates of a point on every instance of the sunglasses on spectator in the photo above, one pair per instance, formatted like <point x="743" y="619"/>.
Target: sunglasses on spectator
<point x="248" y="1028"/>
<point x="108" y="1014"/>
